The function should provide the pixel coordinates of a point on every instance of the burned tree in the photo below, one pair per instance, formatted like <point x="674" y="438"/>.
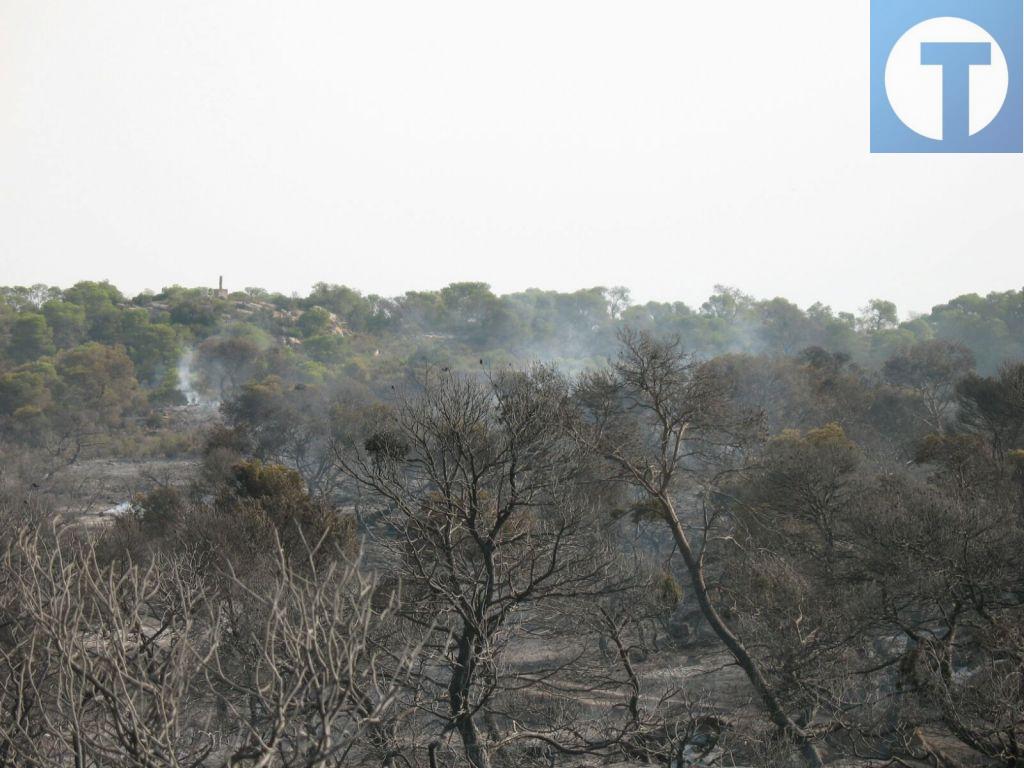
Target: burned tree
<point x="667" y="428"/>
<point x="487" y="512"/>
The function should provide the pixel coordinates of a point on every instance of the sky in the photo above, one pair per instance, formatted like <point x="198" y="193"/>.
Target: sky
<point x="397" y="145"/>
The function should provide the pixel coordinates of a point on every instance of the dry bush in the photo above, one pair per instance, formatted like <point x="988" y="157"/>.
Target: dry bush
<point x="104" y="665"/>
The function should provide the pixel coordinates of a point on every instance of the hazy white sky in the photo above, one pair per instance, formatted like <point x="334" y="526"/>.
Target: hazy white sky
<point x="403" y="144"/>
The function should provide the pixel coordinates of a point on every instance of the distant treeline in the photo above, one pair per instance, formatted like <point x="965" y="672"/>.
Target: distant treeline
<point x="73" y="360"/>
<point x="38" y="321"/>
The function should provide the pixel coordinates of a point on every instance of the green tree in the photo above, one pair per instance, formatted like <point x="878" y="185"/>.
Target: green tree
<point x="315" y="321"/>
<point x="98" y="379"/>
<point x="879" y="315"/>
<point x="100" y="302"/>
<point x="67" y="321"/>
<point x="329" y="350"/>
<point x="27" y="388"/>
<point x="992" y="327"/>
<point x="154" y="348"/>
<point x="359" y="313"/>
<point x="30" y="339"/>
<point x="783" y="326"/>
<point x="96" y="388"/>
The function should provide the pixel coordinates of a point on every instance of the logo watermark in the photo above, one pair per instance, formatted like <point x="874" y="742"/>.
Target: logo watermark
<point x="947" y="76"/>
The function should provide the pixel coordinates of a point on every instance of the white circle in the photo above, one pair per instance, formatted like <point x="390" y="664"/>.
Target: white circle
<point x="915" y="90"/>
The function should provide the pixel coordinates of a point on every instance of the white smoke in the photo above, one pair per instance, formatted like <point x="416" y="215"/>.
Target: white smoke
<point x="185" y="386"/>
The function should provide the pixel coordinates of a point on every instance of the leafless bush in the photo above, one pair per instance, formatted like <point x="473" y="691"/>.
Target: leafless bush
<point x="155" y="666"/>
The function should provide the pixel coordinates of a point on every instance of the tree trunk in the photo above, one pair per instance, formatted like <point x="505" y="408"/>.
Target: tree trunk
<point x="786" y="724"/>
<point x="476" y="754"/>
<point x="459" y="701"/>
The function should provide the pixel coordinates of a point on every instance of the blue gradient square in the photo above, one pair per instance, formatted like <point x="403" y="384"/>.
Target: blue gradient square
<point x="1003" y="19"/>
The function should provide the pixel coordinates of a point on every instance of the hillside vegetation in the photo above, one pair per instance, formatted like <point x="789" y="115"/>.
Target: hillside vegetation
<point x="460" y="529"/>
